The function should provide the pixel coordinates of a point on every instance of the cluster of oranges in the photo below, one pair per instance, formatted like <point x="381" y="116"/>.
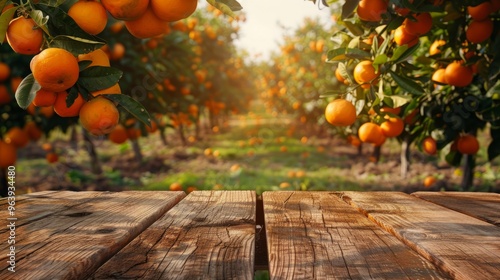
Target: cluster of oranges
<point x="143" y="18"/>
<point x="16" y="138"/>
<point x="466" y="144"/>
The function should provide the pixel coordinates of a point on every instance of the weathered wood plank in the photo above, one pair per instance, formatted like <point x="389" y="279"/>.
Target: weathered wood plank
<point x="208" y="235"/>
<point x="484" y="206"/>
<point x="68" y="235"/>
<point x="463" y="246"/>
<point x="315" y="235"/>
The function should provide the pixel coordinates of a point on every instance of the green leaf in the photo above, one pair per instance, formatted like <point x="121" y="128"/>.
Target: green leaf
<point x="232" y="4"/>
<point x="407" y="84"/>
<point x="399" y="100"/>
<point x="2" y="3"/>
<point x="84" y="64"/>
<point x="380" y="59"/>
<point x="72" y="95"/>
<point x="454" y="158"/>
<point x="75" y="45"/>
<point x="357" y="54"/>
<point x="407" y="53"/>
<point x="40" y="20"/>
<point x="26" y="91"/>
<point x="356" y="29"/>
<point x="5" y="19"/>
<point x="99" y="77"/>
<point x="494" y="149"/>
<point x="132" y="106"/>
<point x="398" y="52"/>
<point x="348" y="8"/>
<point x="337" y="54"/>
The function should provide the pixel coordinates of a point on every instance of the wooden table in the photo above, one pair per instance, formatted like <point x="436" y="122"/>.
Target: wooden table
<point x="224" y="235"/>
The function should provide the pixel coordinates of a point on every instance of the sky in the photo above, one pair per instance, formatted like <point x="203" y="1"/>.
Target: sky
<point x="260" y="34"/>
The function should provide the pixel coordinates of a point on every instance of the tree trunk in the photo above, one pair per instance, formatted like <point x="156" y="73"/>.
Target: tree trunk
<point x="360" y="149"/>
<point x="180" y="129"/>
<point x="163" y="137"/>
<point x="405" y="156"/>
<point x="74" y="138"/>
<point x="4" y="185"/>
<point x="137" y="150"/>
<point x="95" y="165"/>
<point x="468" y="175"/>
<point x="376" y="154"/>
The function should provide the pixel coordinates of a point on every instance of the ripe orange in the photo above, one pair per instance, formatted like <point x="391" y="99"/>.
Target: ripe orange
<point x="60" y="106"/>
<point x="364" y="73"/>
<point x="371" y="133"/>
<point x="24" y="36"/>
<point x="429" y="181"/>
<point x="99" y="116"/>
<point x="175" y="186"/>
<point x="392" y="127"/>
<point x="468" y="144"/>
<point x="434" y="48"/>
<point x="4" y="71"/>
<point x="90" y="15"/>
<point x="98" y="58"/>
<point x="118" y="51"/>
<point x="55" y="69"/>
<point x="481" y="11"/>
<point x="340" y="78"/>
<point x="15" y="82"/>
<point x="147" y="25"/>
<point x="5" y="96"/>
<point x="114" y="89"/>
<point x="429" y="145"/>
<point x="340" y="112"/>
<point x="394" y="111"/>
<point x="439" y="76"/>
<point x="17" y="137"/>
<point x="284" y="185"/>
<point x="34" y="133"/>
<point x="118" y="135"/>
<point x="173" y="10"/>
<point x="125" y="9"/>
<point x="403" y="37"/>
<point x="456" y="74"/>
<point x="354" y="140"/>
<point x="52" y="157"/>
<point x="371" y="10"/>
<point x="9" y="154"/>
<point x="479" y="31"/>
<point x="421" y="25"/>
<point x="44" y="98"/>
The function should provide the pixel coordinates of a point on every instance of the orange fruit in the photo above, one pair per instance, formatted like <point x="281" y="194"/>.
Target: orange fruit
<point x="341" y="78"/>
<point x="479" y="31"/>
<point x="371" y="10"/>
<point x="429" y="181"/>
<point x="468" y="144"/>
<point x="434" y="48"/>
<point x="118" y="51"/>
<point x="365" y="73"/>
<point x="481" y="11"/>
<point x="90" y="15"/>
<point x="24" y="36"/>
<point x="98" y="58"/>
<point x="284" y="185"/>
<point x="9" y="154"/>
<point x="99" y="116"/>
<point x="390" y="110"/>
<point x="15" y="82"/>
<point x="34" y="133"/>
<point x="17" y="137"/>
<point x="173" y="10"/>
<point x="283" y="149"/>
<point x="439" y="76"/>
<point x="61" y="108"/>
<point x="371" y="133"/>
<point x="5" y="96"/>
<point x="354" y="140"/>
<point x="456" y="74"/>
<point x="114" y="89"/>
<point x="429" y="145"/>
<point x="52" y="157"/>
<point x="403" y="37"/>
<point x="4" y="71"/>
<point x="118" y="135"/>
<point x="340" y="112"/>
<point x="125" y="9"/>
<point x="55" y="69"/>
<point x="146" y="26"/>
<point x="392" y="127"/>
<point x="175" y="186"/>
<point x="421" y="25"/>
<point x="44" y="98"/>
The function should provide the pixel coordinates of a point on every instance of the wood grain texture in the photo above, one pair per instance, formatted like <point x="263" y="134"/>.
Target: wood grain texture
<point x="68" y="235"/>
<point x="465" y="247"/>
<point x="315" y="235"/>
<point x="208" y="235"/>
<point x="484" y="206"/>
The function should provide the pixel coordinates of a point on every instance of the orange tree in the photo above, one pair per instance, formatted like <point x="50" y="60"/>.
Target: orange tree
<point x="436" y="61"/>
